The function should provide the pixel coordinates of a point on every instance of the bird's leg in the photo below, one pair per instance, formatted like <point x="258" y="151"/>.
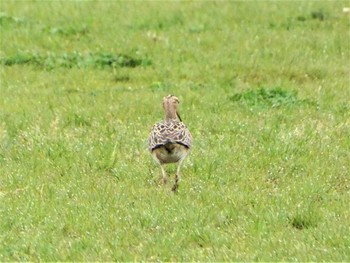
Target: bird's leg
<point x="163" y="174"/>
<point x="177" y="176"/>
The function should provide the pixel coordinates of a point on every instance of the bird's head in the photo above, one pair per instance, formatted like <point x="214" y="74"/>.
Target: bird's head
<point x="171" y="99"/>
<point x="170" y="104"/>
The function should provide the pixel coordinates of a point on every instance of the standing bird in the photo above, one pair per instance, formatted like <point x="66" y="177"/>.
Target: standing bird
<point x="170" y="140"/>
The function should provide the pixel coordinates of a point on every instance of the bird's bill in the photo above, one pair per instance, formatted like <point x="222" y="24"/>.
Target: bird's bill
<point x="178" y="115"/>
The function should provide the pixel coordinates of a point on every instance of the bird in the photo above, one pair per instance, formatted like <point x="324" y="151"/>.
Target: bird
<point x="170" y="140"/>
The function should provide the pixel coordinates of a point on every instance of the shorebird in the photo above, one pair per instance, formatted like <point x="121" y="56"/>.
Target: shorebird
<point x="170" y="140"/>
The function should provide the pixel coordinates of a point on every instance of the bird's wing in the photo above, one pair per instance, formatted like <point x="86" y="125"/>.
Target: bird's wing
<point x="169" y="132"/>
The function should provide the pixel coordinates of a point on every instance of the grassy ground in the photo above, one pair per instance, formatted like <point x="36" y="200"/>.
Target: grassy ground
<point x="264" y="89"/>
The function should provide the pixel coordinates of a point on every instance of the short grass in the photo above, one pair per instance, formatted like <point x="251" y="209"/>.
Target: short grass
<point x="264" y="88"/>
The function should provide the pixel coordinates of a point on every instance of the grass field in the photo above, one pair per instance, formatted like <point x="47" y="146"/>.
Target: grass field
<point x="264" y="88"/>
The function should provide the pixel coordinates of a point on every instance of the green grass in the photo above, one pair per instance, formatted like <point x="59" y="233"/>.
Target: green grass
<point x="75" y="59"/>
<point x="264" y="89"/>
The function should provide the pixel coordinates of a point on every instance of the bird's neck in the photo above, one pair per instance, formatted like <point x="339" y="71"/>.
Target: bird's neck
<point x="171" y="114"/>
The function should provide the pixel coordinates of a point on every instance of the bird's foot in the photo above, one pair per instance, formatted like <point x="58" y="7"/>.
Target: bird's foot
<point x="175" y="187"/>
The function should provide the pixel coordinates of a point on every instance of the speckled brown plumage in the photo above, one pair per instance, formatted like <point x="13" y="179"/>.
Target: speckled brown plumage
<point x="170" y="140"/>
